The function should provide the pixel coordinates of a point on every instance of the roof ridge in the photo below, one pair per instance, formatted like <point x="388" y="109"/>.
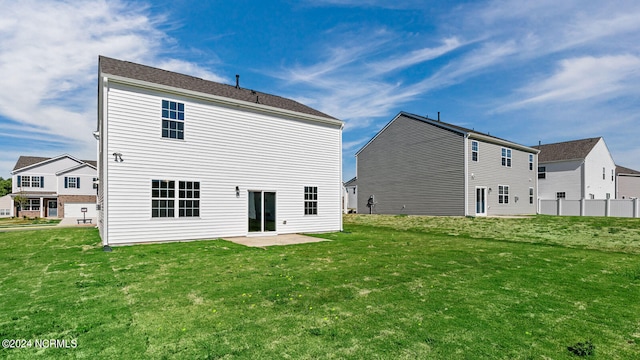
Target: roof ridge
<point x="178" y="80"/>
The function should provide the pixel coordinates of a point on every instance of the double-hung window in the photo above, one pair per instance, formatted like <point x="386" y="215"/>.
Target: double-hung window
<point x="542" y="172"/>
<point x="189" y="199"/>
<point x="474" y="151"/>
<point x="72" y="182"/>
<point x="25" y="181"/>
<point x="311" y="200"/>
<point x="530" y="161"/>
<point x="172" y="120"/>
<point x="506" y="157"/>
<point x="163" y="195"/>
<point x="32" y="205"/>
<point x="530" y="195"/>
<point x="503" y="194"/>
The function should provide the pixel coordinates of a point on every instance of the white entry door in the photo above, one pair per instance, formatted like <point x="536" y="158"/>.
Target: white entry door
<point x="481" y="201"/>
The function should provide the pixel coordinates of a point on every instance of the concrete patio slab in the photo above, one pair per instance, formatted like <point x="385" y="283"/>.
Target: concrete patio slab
<point x="276" y="240"/>
<point x="74" y="222"/>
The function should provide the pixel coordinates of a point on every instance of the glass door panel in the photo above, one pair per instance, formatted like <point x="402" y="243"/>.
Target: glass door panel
<point x="269" y="211"/>
<point x="255" y="211"/>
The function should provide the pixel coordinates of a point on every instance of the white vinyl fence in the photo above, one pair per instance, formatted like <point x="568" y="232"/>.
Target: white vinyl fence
<point x="609" y="207"/>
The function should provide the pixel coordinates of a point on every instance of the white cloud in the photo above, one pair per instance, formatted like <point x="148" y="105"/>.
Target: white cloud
<point x="48" y="65"/>
<point x="584" y="78"/>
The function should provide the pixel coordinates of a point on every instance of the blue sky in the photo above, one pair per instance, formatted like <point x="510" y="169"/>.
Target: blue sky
<point x="526" y="71"/>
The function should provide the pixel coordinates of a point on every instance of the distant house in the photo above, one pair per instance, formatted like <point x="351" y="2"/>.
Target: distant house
<point x="574" y="170"/>
<point x="182" y="158"/>
<point x="627" y="183"/>
<point x="352" y="197"/>
<point x="54" y="187"/>
<point x="6" y="206"/>
<point x="417" y="165"/>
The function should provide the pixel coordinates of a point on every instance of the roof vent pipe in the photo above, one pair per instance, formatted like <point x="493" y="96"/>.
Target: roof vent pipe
<point x="237" y="81"/>
<point x="438" y="115"/>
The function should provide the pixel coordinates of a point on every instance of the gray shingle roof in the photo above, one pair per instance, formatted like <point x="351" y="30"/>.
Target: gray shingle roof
<point x="567" y="150"/>
<point x="24" y="161"/>
<point x="453" y="127"/>
<point x="625" y="170"/>
<point x="168" y="78"/>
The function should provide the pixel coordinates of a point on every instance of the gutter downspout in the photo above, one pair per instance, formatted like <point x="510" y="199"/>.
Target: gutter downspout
<point x="466" y="174"/>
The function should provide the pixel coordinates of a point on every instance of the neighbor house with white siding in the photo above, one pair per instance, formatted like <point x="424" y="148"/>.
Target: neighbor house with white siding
<point x="420" y="166"/>
<point x="575" y="170"/>
<point x="182" y="158"/>
<point x="57" y="187"/>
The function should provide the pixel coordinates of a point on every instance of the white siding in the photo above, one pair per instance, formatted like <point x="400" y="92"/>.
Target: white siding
<point x="5" y="206"/>
<point x="596" y="160"/>
<point x="562" y="176"/>
<point x="222" y="148"/>
<point x="52" y="182"/>
<point x="628" y="187"/>
<point x="86" y="175"/>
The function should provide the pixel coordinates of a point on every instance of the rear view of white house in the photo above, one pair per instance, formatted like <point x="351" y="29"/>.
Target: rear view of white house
<point x="182" y="158"/>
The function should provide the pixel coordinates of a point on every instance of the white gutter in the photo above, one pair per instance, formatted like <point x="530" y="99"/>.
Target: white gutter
<point x="510" y="144"/>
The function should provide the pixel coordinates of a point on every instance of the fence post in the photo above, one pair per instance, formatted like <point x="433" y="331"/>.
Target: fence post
<point x="635" y="207"/>
<point x="607" y="207"/>
<point x="583" y="206"/>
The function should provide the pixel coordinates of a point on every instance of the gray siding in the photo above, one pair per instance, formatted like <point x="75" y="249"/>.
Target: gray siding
<point x="412" y="167"/>
<point x="488" y="172"/>
<point x="628" y="187"/>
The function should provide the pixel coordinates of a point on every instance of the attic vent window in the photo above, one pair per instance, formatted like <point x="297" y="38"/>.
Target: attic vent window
<point x="172" y="120"/>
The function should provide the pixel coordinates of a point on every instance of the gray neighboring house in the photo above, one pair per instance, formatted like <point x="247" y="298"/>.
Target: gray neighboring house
<point x="420" y="166"/>
<point x="627" y="183"/>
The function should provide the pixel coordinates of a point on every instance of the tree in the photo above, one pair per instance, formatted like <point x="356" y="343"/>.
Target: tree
<point x="5" y="186"/>
<point x="20" y="200"/>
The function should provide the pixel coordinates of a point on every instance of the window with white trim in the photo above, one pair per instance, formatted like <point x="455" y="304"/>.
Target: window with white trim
<point x="530" y="195"/>
<point x="531" y="162"/>
<point x="172" y="120"/>
<point x="542" y="172"/>
<point x="311" y="200"/>
<point x="25" y="181"/>
<point x="604" y="174"/>
<point x="474" y="150"/>
<point x="612" y="175"/>
<point x="561" y="195"/>
<point x="31" y="205"/>
<point x="506" y="157"/>
<point x="503" y="194"/>
<point x="163" y="198"/>
<point x="189" y="199"/>
<point x="72" y="182"/>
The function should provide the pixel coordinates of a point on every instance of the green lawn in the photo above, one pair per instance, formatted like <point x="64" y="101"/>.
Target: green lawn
<point x="20" y="222"/>
<point x="387" y="288"/>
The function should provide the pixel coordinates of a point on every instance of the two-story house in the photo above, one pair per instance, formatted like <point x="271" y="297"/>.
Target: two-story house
<point x="54" y="187"/>
<point x="182" y="158"/>
<point x="627" y="183"/>
<point x="420" y="166"/>
<point x="575" y="170"/>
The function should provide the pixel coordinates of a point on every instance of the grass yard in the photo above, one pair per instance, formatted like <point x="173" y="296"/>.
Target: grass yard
<point x="386" y="288"/>
<point x="20" y="222"/>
